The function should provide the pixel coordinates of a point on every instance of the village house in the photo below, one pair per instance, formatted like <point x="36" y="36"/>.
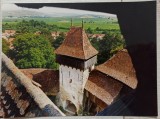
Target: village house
<point x="4" y="36"/>
<point x="97" y="36"/>
<point x="37" y="33"/>
<point x="10" y="41"/>
<point x="8" y="36"/>
<point x="9" y="33"/>
<point x="55" y="34"/>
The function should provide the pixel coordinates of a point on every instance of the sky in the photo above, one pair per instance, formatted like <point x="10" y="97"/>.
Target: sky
<point x="53" y="10"/>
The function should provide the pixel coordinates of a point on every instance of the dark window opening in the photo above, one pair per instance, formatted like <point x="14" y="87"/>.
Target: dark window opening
<point x="70" y="81"/>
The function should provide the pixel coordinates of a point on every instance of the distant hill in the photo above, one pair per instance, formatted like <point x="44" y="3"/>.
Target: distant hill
<point x="24" y="13"/>
<point x="29" y="13"/>
<point x="92" y="16"/>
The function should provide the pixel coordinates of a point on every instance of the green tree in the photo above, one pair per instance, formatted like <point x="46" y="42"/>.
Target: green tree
<point x="89" y="30"/>
<point x="32" y="51"/>
<point x="108" y="46"/>
<point x="118" y="44"/>
<point x="95" y="43"/>
<point x="32" y="26"/>
<point x="98" y="29"/>
<point x="5" y="47"/>
<point x="58" y="41"/>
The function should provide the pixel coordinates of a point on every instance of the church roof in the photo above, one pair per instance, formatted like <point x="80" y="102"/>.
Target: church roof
<point x="103" y="87"/>
<point x="121" y="68"/>
<point x="47" y="78"/>
<point x="77" y="45"/>
<point x="20" y="97"/>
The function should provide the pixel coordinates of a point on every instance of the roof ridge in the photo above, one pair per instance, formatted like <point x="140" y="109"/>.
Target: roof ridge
<point x="38" y="95"/>
<point x="83" y="43"/>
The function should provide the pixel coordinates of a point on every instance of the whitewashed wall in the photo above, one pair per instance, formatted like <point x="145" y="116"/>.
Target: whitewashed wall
<point x="72" y="90"/>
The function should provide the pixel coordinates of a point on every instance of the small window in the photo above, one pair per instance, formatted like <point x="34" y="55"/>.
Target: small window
<point x="70" y="81"/>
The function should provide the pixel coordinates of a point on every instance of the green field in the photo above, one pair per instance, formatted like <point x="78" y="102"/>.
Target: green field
<point x="65" y="23"/>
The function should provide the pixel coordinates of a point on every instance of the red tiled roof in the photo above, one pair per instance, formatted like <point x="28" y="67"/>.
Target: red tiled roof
<point x="47" y="78"/>
<point x="77" y="45"/>
<point x="32" y="71"/>
<point x="103" y="87"/>
<point x="121" y="68"/>
<point x="10" y="31"/>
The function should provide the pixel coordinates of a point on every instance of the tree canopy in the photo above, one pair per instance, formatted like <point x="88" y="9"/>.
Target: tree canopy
<point x="5" y="47"/>
<point x="31" y="26"/>
<point x="33" y="51"/>
<point x="58" y="41"/>
<point x="108" y="46"/>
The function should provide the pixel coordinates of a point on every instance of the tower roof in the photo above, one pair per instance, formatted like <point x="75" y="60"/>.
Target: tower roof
<point x="77" y="45"/>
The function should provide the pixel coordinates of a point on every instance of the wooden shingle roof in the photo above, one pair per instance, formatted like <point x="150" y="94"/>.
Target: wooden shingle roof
<point x="103" y="87"/>
<point x="20" y="97"/>
<point x="77" y="45"/>
<point x="121" y="68"/>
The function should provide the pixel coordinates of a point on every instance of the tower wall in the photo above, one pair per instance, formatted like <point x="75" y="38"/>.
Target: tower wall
<point x="72" y="82"/>
<point x="76" y="63"/>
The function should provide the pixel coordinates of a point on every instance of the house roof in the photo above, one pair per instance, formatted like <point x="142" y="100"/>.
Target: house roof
<point x="77" y="45"/>
<point x="121" y="68"/>
<point x="47" y="78"/>
<point x="103" y="87"/>
<point x="96" y="35"/>
<point x="20" y="97"/>
<point x="10" y="31"/>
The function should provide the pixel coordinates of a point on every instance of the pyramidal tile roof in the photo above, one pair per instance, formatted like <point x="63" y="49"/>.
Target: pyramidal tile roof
<point x="121" y="68"/>
<point x="77" y="45"/>
<point x="20" y="97"/>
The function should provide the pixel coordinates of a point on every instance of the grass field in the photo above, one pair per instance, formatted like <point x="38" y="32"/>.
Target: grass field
<point x="65" y="23"/>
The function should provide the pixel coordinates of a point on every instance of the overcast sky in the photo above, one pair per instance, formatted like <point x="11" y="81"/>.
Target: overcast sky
<point x="53" y="10"/>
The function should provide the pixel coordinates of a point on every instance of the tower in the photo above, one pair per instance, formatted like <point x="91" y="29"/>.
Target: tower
<point x="77" y="58"/>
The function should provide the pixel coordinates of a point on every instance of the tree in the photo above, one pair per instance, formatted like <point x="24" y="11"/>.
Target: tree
<point x="108" y="46"/>
<point x="32" y="51"/>
<point x="58" y="41"/>
<point x="95" y="43"/>
<point x="89" y="30"/>
<point x="32" y="26"/>
<point x="5" y="47"/>
<point x="98" y="29"/>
